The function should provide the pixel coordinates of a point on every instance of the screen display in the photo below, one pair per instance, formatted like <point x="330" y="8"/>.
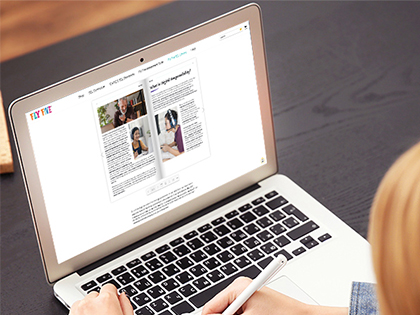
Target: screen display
<point x="121" y="152"/>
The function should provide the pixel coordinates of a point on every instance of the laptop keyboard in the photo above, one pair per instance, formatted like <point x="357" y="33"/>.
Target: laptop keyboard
<point x="184" y="274"/>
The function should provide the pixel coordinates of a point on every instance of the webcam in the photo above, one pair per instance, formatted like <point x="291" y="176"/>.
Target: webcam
<point x="141" y="59"/>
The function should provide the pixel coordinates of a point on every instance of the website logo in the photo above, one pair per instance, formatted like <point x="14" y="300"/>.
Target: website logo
<point x="39" y="113"/>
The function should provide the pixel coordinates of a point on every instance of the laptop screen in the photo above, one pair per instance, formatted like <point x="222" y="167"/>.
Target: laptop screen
<point x="117" y="154"/>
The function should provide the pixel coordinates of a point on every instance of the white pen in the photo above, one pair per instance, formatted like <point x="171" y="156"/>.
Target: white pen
<point x="263" y="278"/>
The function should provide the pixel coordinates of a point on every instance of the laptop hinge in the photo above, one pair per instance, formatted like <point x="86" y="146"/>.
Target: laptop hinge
<point x="166" y="230"/>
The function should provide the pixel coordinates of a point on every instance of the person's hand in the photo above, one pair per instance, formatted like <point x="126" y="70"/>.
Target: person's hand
<point x="129" y="119"/>
<point x="135" y="154"/>
<point x="265" y="301"/>
<point x="165" y="147"/>
<point x="106" y="302"/>
<point x="122" y="118"/>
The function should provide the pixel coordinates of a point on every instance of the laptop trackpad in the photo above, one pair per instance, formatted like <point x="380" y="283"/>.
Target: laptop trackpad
<point x="286" y="286"/>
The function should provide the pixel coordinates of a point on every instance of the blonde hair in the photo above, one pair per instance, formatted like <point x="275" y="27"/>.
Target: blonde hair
<point x="394" y="234"/>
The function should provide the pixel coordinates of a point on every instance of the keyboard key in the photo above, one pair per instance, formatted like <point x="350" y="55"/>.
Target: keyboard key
<point x="284" y="253"/>
<point x="191" y="235"/>
<point x="324" y="237"/>
<point x="215" y="276"/>
<point x="142" y="284"/>
<point x="258" y="201"/>
<point x="265" y="262"/>
<point x="290" y="222"/>
<point x="271" y="194"/>
<point x="225" y="242"/>
<point x="125" y="278"/>
<point x="167" y="257"/>
<point x="129" y="291"/>
<point x="176" y="242"/>
<point x="251" y="229"/>
<point x="182" y="308"/>
<point x="245" y="207"/>
<point x="173" y="298"/>
<point x="96" y="289"/>
<point x="238" y="249"/>
<point x="264" y="222"/>
<point x="153" y="264"/>
<point x="88" y="286"/>
<point x="198" y="256"/>
<point x="166" y="313"/>
<point x="255" y="255"/>
<point x="144" y="311"/>
<point x="157" y="277"/>
<point x="182" y="250"/>
<point x="265" y="236"/>
<point x="203" y="297"/>
<point x="103" y="278"/>
<point x="211" y="263"/>
<point x="148" y="256"/>
<point x="292" y="210"/>
<point x="221" y="230"/>
<point x="187" y="290"/>
<point x="118" y="270"/>
<point x="277" y="215"/>
<point x="225" y="256"/>
<point x="184" y="263"/>
<point x="141" y="299"/>
<point x="140" y="271"/>
<point x="238" y="235"/>
<point x="169" y="285"/>
<point x="159" y="305"/>
<point x="247" y="217"/>
<point x="184" y="277"/>
<point x="260" y="211"/>
<point x="278" y="229"/>
<point x="212" y="249"/>
<point x="195" y="244"/>
<point x="311" y="244"/>
<point x="228" y="269"/>
<point x="275" y="203"/>
<point x="198" y="270"/>
<point x="252" y="242"/>
<point x="155" y="292"/>
<point x="268" y="248"/>
<point x="204" y="228"/>
<point x="218" y="221"/>
<point x="133" y="263"/>
<point x="242" y="262"/>
<point x="170" y="270"/>
<point x="302" y="230"/>
<point x="235" y="224"/>
<point x="282" y="241"/>
<point x="208" y="237"/>
<point x="299" y="251"/>
<point x="162" y="249"/>
<point x="231" y="214"/>
<point x="201" y="283"/>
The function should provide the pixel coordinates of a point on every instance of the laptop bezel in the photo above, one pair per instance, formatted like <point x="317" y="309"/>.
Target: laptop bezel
<point x="17" y="110"/>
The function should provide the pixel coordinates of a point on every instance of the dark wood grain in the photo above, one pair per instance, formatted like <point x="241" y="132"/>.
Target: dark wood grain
<point x="345" y="84"/>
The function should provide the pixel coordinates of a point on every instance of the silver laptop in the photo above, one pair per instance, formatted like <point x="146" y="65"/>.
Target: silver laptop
<point x="204" y="206"/>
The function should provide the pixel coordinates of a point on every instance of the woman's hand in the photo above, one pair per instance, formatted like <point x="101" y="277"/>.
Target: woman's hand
<point x="106" y="302"/>
<point x="265" y="302"/>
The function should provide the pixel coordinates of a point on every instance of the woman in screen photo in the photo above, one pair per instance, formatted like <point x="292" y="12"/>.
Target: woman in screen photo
<point x="171" y="124"/>
<point x="137" y="145"/>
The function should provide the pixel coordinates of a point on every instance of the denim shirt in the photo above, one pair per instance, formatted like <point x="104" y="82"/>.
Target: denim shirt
<point x="363" y="299"/>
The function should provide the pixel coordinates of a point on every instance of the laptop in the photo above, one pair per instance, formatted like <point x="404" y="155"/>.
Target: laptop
<point x="157" y="172"/>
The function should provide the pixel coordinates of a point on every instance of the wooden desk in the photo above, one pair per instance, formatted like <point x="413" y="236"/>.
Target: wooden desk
<point x="345" y="81"/>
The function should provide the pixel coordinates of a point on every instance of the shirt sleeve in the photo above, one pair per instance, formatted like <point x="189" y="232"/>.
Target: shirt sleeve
<point x="363" y="299"/>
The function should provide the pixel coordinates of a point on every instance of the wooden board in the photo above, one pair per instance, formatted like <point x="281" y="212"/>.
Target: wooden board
<point x="6" y="159"/>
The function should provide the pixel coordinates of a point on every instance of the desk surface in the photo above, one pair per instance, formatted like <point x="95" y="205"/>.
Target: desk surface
<point x="345" y="84"/>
